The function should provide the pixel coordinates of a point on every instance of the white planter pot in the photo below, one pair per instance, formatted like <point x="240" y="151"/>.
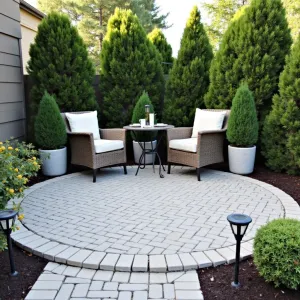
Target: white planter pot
<point x="241" y="160"/>
<point x="54" y="162"/>
<point x="137" y="151"/>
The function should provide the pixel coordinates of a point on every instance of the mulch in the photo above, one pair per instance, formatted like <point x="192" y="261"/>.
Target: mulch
<point x="216" y="282"/>
<point x="29" y="268"/>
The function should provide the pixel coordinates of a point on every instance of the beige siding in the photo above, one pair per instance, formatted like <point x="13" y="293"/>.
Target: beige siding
<point x="12" y="112"/>
<point x="29" y="25"/>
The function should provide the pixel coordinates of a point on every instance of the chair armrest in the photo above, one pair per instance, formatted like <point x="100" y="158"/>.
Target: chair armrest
<point x="179" y="133"/>
<point x="211" y="131"/>
<point x="210" y="138"/>
<point x="113" y="134"/>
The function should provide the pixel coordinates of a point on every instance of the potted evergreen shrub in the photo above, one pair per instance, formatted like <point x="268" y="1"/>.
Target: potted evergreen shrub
<point x="142" y="137"/>
<point x="242" y="132"/>
<point x="51" y="137"/>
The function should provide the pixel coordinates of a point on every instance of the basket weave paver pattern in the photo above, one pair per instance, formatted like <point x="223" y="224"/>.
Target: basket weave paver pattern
<point x="145" y="223"/>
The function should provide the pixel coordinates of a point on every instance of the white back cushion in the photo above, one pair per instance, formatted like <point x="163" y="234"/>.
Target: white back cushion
<point x="86" y="122"/>
<point x="207" y="120"/>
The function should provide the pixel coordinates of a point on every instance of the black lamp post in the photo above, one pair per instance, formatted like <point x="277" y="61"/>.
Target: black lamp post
<point x="239" y="224"/>
<point x="7" y="220"/>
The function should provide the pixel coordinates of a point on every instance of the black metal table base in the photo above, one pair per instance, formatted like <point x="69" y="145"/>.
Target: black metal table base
<point x="154" y="153"/>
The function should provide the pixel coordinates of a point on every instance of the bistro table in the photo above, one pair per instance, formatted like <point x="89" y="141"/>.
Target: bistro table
<point x="153" y="150"/>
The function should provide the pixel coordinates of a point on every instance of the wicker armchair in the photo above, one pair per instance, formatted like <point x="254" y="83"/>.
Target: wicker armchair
<point x="83" y="149"/>
<point x="209" y="148"/>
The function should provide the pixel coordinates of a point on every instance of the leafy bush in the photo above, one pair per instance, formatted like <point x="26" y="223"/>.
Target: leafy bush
<point x="277" y="252"/>
<point x="281" y="131"/>
<point x="59" y="63"/>
<point x="18" y="162"/>
<point x="242" y="128"/>
<point x="139" y="113"/>
<point x="130" y="63"/>
<point x="189" y="77"/>
<point x="50" y="129"/>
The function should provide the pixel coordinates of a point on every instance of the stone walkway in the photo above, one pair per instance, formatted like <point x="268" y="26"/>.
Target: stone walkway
<point x="144" y="223"/>
<point x="61" y="282"/>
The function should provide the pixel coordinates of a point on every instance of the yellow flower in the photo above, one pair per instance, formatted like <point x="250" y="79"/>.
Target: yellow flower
<point x="10" y="148"/>
<point x="17" y="149"/>
<point x="34" y="158"/>
<point x="1" y="143"/>
<point x="3" y="148"/>
<point x="19" y="176"/>
<point x="11" y="191"/>
<point x="20" y="190"/>
<point x="16" y="170"/>
<point x="35" y="163"/>
<point x="25" y="180"/>
<point x="18" y="227"/>
<point x="21" y="217"/>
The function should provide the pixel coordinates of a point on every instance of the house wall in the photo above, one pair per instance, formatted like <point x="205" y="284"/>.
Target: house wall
<point x="29" y="25"/>
<point x="12" y="112"/>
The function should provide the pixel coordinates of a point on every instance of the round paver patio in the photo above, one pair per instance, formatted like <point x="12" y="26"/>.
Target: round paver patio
<point x="175" y="218"/>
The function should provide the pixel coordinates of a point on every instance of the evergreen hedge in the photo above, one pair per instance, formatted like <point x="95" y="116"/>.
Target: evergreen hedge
<point x="253" y="51"/>
<point x="160" y="42"/>
<point x="242" y="128"/>
<point x="189" y="77"/>
<point x="59" y="64"/>
<point x="139" y="113"/>
<point x="281" y="131"/>
<point x="130" y="64"/>
<point x="50" y="129"/>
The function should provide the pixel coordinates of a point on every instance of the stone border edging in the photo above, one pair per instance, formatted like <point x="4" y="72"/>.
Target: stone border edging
<point x="73" y="256"/>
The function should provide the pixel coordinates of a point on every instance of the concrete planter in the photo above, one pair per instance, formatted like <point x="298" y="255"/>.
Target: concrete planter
<point x="241" y="160"/>
<point x="137" y="151"/>
<point x="54" y="162"/>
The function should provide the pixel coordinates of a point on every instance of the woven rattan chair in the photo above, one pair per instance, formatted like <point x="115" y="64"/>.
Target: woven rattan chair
<point x="83" y="149"/>
<point x="209" y="146"/>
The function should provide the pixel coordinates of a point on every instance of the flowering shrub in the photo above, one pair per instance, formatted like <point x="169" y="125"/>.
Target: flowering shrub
<point x="18" y="162"/>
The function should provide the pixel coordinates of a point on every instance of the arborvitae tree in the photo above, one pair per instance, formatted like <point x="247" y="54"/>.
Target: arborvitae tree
<point x="242" y="128"/>
<point x="253" y="51"/>
<point x="59" y="64"/>
<point x="50" y="129"/>
<point x="281" y="132"/>
<point x="160" y="42"/>
<point x="189" y="78"/>
<point x="130" y="64"/>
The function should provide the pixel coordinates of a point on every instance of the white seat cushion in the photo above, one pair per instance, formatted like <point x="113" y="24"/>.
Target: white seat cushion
<point x="207" y="120"/>
<point x="189" y="145"/>
<point x="86" y="122"/>
<point x="107" y="145"/>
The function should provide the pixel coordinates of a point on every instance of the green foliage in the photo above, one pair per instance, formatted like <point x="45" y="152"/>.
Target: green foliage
<point x="18" y="162"/>
<point x="281" y="131"/>
<point x="253" y="50"/>
<point x="50" y="129"/>
<point x="277" y="252"/>
<point x="139" y="113"/>
<point x="189" y="76"/>
<point x="242" y="128"/>
<point x="160" y="42"/>
<point x="130" y="64"/>
<point x="59" y="64"/>
<point x="91" y="18"/>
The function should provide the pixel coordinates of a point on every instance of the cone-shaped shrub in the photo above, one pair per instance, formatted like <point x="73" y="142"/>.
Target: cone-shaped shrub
<point x="59" y="64"/>
<point x="130" y="64"/>
<point x="242" y="128"/>
<point x="253" y="51"/>
<point x="281" y="132"/>
<point x="50" y="129"/>
<point x="189" y="78"/>
<point x="160" y="42"/>
<point x="277" y="252"/>
<point x="139" y="113"/>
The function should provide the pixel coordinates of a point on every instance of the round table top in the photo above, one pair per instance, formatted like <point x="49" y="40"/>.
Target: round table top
<point x="155" y="128"/>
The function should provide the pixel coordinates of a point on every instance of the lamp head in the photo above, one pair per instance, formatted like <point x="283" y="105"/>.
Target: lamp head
<point x="7" y="219"/>
<point x="239" y="224"/>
